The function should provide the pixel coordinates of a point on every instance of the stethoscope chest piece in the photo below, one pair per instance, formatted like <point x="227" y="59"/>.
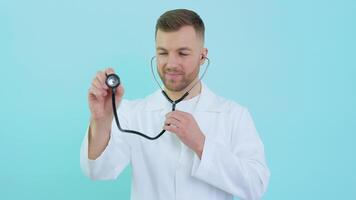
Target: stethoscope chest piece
<point x="112" y="81"/>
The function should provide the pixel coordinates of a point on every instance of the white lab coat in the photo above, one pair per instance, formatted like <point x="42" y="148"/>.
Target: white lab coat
<point x="232" y="163"/>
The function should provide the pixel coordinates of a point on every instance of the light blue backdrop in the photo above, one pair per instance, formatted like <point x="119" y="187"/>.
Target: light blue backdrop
<point x="292" y="63"/>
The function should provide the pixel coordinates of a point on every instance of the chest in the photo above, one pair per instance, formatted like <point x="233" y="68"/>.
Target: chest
<point x="168" y="153"/>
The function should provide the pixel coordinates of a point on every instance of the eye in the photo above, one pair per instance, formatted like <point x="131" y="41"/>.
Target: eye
<point x="162" y="53"/>
<point x="183" y="54"/>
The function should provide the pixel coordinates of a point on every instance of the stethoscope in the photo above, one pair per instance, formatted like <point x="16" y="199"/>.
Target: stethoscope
<point x="113" y="81"/>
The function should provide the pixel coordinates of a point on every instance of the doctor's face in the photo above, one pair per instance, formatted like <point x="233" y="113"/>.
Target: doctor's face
<point x="179" y="56"/>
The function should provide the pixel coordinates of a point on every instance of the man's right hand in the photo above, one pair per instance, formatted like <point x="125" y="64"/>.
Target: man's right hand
<point x="100" y="105"/>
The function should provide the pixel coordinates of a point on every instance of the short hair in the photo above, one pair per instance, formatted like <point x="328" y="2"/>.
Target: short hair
<point x="173" y="20"/>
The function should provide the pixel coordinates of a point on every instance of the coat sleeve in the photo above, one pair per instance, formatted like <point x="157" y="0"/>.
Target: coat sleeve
<point x="112" y="160"/>
<point x="238" y="167"/>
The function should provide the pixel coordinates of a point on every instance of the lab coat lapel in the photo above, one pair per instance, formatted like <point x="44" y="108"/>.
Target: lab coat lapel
<point x="208" y="102"/>
<point x="208" y="109"/>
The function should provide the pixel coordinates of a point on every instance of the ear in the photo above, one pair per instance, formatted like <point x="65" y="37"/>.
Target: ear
<point x="204" y="54"/>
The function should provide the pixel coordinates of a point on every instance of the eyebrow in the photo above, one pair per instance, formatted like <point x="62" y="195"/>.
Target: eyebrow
<point x="180" y="49"/>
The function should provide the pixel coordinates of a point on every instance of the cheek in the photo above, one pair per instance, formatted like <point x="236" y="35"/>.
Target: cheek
<point x="191" y="66"/>
<point x="160" y="66"/>
<point x="161" y="60"/>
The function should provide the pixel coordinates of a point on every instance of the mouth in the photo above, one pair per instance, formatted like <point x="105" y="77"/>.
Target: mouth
<point x="173" y="76"/>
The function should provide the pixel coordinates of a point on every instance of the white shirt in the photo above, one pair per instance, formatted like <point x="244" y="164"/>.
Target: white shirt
<point x="232" y="162"/>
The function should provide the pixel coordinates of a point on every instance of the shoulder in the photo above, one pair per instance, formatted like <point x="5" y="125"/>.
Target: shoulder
<point x="232" y="107"/>
<point x="224" y="104"/>
<point x="233" y="112"/>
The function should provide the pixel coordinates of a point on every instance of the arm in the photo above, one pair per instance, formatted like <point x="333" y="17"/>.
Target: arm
<point x="104" y="154"/>
<point x="113" y="155"/>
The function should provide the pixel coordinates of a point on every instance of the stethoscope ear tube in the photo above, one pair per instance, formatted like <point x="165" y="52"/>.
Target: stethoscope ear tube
<point x="113" y="81"/>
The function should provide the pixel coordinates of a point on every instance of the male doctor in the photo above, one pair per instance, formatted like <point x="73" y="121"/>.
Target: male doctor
<point x="211" y="149"/>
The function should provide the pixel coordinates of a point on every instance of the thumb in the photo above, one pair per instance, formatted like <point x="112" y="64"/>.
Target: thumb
<point x="109" y="71"/>
<point x="119" y="93"/>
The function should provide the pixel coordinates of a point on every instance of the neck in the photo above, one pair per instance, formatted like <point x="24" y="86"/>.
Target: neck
<point x="174" y="95"/>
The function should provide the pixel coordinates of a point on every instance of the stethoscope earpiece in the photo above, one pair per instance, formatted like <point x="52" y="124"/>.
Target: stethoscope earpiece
<point x="112" y="81"/>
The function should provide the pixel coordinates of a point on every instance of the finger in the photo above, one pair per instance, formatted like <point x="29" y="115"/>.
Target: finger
<point x="172" y="129"/>
<point x="120" y="91"/>
<point x="109" y="71"/>
<point x="182" y="113"/>
<point x="173" y="116"/>
<point x="183" y="116"/>
<point x="176" y="115"/>
<point x="94" y="91"/>
<point x="102" y="79"/>
<point x="98" y="85"/>
<point x="173" y="121"/>
<point x="99" y="91"/>
<point x="177" y="112"/>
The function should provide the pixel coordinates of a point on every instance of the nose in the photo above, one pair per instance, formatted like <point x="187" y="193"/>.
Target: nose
<point x="172" y="61"/>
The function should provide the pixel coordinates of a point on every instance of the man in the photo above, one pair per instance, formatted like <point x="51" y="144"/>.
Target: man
<point x="211" y="149"/>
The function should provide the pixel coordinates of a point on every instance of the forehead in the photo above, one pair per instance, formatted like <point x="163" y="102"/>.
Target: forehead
<point x="184" y="37"/>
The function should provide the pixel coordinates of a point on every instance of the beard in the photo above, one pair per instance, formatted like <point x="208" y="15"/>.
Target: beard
<point x="178" y="82"/>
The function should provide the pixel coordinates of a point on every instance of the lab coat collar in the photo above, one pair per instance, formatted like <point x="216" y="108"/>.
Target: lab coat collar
<point x="208" y="101"/>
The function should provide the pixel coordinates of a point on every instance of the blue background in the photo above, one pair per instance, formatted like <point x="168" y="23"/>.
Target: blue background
<point x="292" y="63"/>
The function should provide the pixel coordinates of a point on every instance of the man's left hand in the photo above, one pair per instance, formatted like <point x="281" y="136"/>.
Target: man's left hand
<point x="187" y="129"/>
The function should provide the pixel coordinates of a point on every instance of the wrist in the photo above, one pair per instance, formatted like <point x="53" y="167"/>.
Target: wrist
<point x="99" y="127"/>
<point x="200" y="147"/>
